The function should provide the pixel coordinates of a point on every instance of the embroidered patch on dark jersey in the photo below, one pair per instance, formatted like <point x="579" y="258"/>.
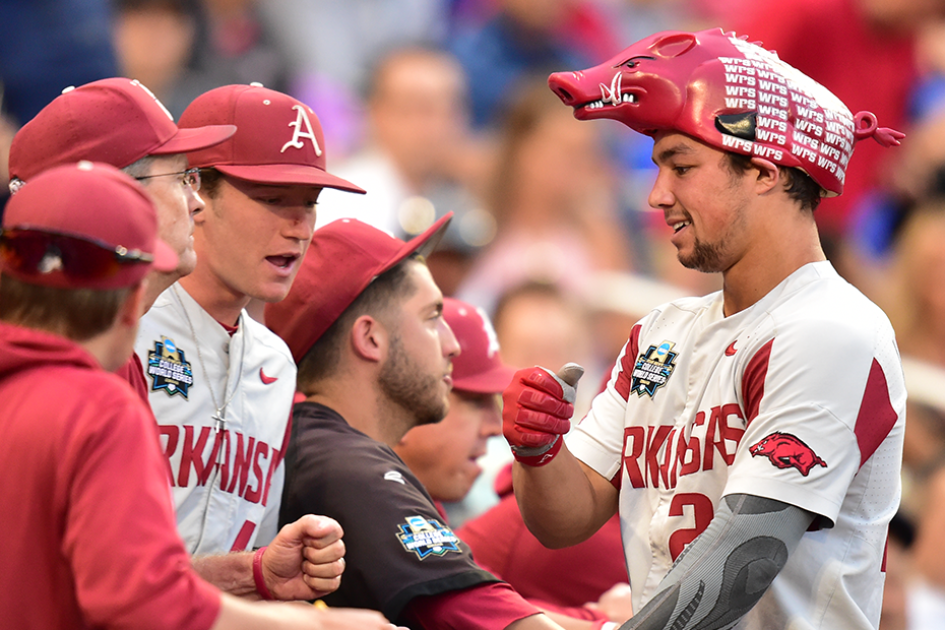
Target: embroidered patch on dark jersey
<point x="786" y="451"/>
<point x="169" y="369"/>
<point x="653" y="369"/>
<point x="426" y="537"/>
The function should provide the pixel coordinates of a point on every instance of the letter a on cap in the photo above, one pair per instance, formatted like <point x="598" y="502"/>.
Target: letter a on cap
<point x="297" y="136"/>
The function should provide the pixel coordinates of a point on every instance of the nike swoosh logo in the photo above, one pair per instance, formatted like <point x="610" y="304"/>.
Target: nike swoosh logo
<point x="731" y="350"/>
<point x="268" y="380"/>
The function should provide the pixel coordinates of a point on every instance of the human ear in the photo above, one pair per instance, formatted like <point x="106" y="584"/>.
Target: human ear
<point x="369" y="339"/>
<point x="769" y="174"/>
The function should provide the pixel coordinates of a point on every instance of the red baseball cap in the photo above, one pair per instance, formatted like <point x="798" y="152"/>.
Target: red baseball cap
<point x="115" y="121"/>
<point x="731" y="94"/>
<point x="279" y="141"/>
<point x="345" y="256"/>
<point x="82" y="225"/>
<point x="478" y="368"/>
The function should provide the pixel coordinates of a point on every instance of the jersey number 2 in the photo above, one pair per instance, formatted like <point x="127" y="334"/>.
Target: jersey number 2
<point x="702" y="512"/>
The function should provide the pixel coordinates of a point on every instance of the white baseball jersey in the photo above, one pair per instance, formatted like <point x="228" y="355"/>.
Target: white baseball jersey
<point x="226" y="476"/>
<point x="799" y="398"/>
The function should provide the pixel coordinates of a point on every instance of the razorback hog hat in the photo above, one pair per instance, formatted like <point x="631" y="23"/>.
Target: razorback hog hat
<point x="345" y="256"/>
<point x="116" y="121"/>
<point x="731" y="94"/>
<point x="82" y="226"/>
<point x="279" y="139"/>
<point x="478" y="368"/>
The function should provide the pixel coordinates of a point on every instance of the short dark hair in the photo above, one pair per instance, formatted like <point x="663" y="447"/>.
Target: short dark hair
<point x="798" y="184"/>
<point x="78" y="314"/>
<point x="390" y="288"/>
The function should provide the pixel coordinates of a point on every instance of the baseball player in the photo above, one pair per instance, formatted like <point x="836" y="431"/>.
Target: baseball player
<point x="220" y="383"/>
<point x="364" y="321"/>
<point x="750" y="439"/>
<point x="119" y="121"/>
<point x="89" y="534"/>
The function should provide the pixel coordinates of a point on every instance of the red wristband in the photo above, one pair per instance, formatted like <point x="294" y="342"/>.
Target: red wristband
<point x="258" y="578"/>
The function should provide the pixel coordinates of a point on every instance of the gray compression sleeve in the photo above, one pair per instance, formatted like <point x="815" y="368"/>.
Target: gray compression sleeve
<point x="726" y="570"/>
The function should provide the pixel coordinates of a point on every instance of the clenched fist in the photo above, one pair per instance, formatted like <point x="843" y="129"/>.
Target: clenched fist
<point x="536" y="411"/>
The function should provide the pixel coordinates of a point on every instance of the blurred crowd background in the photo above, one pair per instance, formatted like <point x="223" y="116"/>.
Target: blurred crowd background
<point x="442" y="105"/>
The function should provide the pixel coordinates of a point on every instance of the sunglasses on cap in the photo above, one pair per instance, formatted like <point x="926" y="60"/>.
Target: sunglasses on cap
<point x="33" y="252"/>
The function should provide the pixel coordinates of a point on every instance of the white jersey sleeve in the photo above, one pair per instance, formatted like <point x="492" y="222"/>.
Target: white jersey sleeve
<point x="820" y="407"/>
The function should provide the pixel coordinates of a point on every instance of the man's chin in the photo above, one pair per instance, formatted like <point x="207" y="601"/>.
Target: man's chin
<point x="698" y="263"/>
<point x="432" y="416"/>
<point x="186" y="263"/>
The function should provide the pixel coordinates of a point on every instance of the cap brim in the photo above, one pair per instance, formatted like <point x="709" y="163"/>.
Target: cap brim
<point x="431" y="237"/>
<point x="195" y="139"/>
<point x="165" y="258"/>
<point x="288" y="175"/>
<point x="493" y="381"/>
<point x="423" y="245"/>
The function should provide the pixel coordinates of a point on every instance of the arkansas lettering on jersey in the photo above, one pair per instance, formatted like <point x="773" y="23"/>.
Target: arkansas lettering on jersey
<point x="655" y="456"/>
<point x="245" y="465"/>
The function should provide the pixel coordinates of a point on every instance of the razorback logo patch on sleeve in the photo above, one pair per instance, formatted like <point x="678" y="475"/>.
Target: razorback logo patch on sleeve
<point x="787" y="451"/>
<point x="426" y="537"/>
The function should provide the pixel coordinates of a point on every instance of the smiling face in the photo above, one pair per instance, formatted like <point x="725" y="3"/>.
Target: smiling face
<point x="416" y="374"/>
<point x="443" y="455"/>
<point x="703" y="201"/>
<point x="250" y="241"/>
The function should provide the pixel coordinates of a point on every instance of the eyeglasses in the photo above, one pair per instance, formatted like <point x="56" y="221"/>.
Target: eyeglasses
<point x="189" y="178"/>
<point x="36" y="252"/>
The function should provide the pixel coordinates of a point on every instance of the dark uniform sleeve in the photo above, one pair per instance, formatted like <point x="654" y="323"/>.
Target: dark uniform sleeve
<point x="397" y="545"/>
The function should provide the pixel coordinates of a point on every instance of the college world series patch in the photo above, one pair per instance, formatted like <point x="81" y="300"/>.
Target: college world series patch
<point x="426" y="537"/>
<point x="169" y="369"/>
<point x="653" y="369"/>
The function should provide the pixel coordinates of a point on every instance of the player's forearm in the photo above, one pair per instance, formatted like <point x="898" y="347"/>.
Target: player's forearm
<point x="723" y="573"/>
<point x="564" y="502"/>
<point x="572" y="623"/>
<point x="231" y="573"/>
<point x="240" y="615"/>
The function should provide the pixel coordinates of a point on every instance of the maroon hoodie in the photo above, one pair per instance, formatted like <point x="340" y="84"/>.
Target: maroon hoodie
<point x="88" y="531"/>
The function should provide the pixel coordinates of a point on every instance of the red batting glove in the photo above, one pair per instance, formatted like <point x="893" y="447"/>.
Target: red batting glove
<point x="536" y="411"/>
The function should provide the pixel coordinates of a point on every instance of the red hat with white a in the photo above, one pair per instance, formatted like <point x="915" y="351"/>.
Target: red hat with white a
<point x="478" y="368"/>
<point x="279" y="138"/>
<point x="82" y="225"/>
<point x="115" y="121"/>
<point x="345" y="256"/>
